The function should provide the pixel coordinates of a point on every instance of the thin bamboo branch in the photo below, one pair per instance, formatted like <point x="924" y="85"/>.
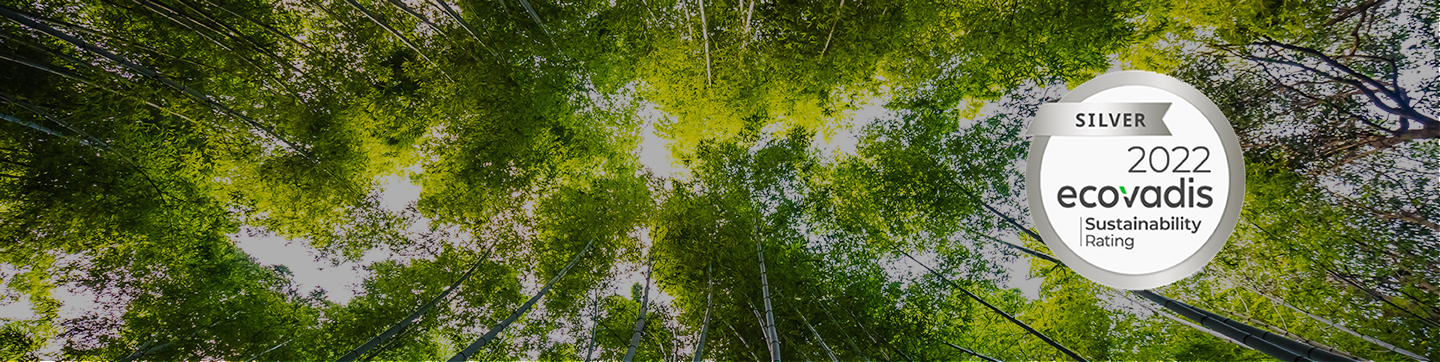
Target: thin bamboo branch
<point x="594" y="330"/>
<point x="743" y="343"/>
<point x="1335" y="325"/>
<point x="88" y="139"/>
<point x="848" y="340"/>
<point x="410" y="319"/>
<point x="403" y="39"/>
<point x="257" y="356"/>
<point x="832" y="29"/>
<point x="426" y="20"/>
<point x="267" y="27"/>
<point x="997" y="310"/>
<point x="824" y="346"/>
<point x="100" y="34"/>
<point x="748" y="14"/>
<point x="536" y="16"/>
<point x="68" y="74"/>
<point x="465" y="24"/>
<point x="873" y="340"/>
<point x="1368" y="291"/>
<point x="968" y="351"/>
<point x="474" y="347"/>
<point x="40" y="128"/>
<point x="10" y="13"/>
<point x="236" y="35"/>
<point x="187" y="22"/>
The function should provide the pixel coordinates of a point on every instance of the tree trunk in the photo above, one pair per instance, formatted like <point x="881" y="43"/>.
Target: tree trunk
<point x="873" y="340"/>
<point x="765" y="289"/>
<point x="403" y="39"/>
<point x="1182" y="321"/>
<point x="705" y="30"/>
<point x="426" y="20"/>
<point x="470" y="351"/>
<point x="640" y="316"/>
<point x="410" y="319"/>
<point x="594" y="330"/>
<point x="267" y="27"/>
<point x="1268" y="343"/>
<point x="1385" y="142"/>
<point x="709" y="307"/>
<point x="818" y="338"/>
<point x="848" y="340"/>
<point x="1342" y="328"/>
<point x="1228" y="328"/>
<point x="257" y="356"/>
<point x="1287" y="334"/>
<point x="43" y="129"/>
<point x="456" y="16"/>
<point x="9" y="13"/>
<point x="742" y="342"/>
<point x="992" y="308"/>
<point x="973" y="353"/>
<point x="749" y="13"/>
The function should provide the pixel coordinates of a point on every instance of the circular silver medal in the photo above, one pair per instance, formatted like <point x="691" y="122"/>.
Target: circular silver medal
<point x="1135" y="179"/>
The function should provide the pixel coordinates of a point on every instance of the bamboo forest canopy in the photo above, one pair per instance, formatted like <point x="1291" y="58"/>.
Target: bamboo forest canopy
<point x="839" y="180"/>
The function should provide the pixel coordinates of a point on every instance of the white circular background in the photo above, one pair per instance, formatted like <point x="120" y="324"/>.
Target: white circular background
<point x="1104" y="161"/>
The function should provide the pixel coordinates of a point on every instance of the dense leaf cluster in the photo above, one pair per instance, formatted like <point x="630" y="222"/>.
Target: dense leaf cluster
<point x="142" y="140"/>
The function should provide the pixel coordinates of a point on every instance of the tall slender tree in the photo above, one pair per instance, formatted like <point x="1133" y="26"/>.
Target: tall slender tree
<point x="709" y="308"/>
<point x="474" y="347"/>
<point x="639" y="331"/>
<point x="409" y="319"/>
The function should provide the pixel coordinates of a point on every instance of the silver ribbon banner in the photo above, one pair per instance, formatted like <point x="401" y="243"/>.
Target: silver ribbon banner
<point x="1100" y="119"/>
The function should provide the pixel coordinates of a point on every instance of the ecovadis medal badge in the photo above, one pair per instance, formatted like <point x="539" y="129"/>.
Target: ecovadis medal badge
<point x="1135" y="179"/>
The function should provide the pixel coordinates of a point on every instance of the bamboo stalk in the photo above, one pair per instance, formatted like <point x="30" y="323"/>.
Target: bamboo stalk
<point x="403" y="39"/>
<point x="818" y="338"/>
<point x="640" y="316"/>
<point x="832" y="29"/>
<point x="709" y="307"/>
<point x="848" y="340"/>
<point x="1338" y="326"/>
<point x="410" y="319"/>
<point x="465" y="24"/>
<point x="426" y="20"/>
<point x="10" y="13"/>
<point x="997" y="310"/>
<point x="765" y="289"/>
<point x="705" y="30"/>
<point x="968" y="351"/>
<point x="262" y="25"/>
<point x="474" y="347"/>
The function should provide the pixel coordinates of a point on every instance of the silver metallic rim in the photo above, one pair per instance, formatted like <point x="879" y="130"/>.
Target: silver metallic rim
<point x="1228" y="218"/>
